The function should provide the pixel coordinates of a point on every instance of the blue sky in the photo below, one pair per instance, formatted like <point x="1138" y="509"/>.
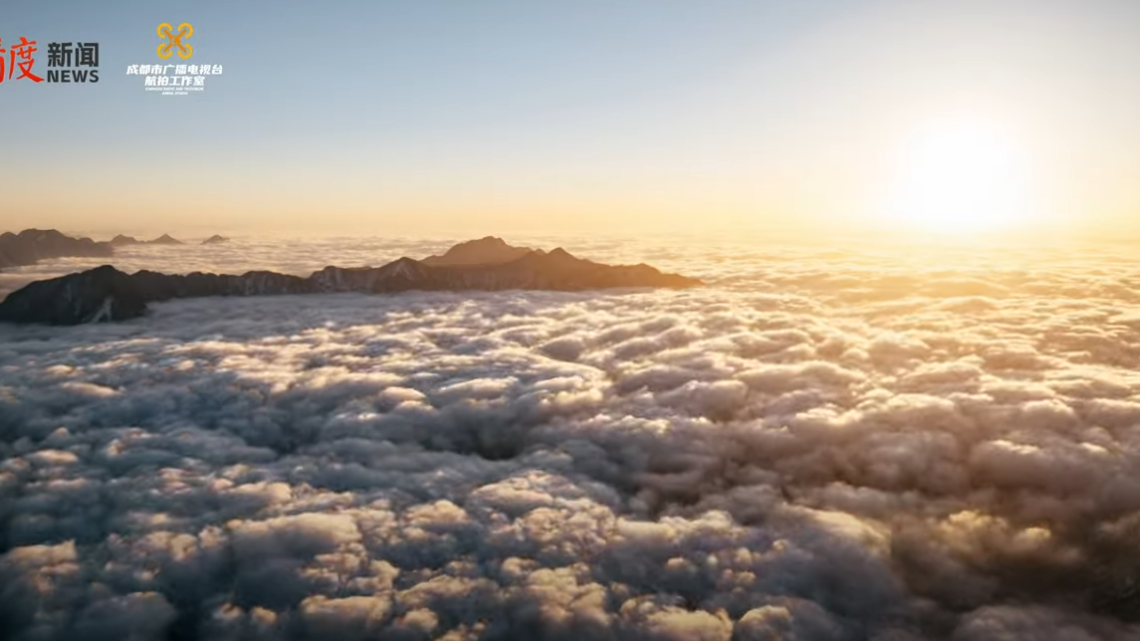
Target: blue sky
<point x="399" y="114"/>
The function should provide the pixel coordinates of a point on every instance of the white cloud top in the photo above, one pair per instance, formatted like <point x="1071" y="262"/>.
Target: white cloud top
<point x="816" y="446"/>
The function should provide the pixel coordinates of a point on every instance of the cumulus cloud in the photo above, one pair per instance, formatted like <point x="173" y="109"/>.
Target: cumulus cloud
<point x="816" y="446"/>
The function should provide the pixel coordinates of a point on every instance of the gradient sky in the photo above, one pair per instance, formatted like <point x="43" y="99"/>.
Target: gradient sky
<point x="406" y="116"/>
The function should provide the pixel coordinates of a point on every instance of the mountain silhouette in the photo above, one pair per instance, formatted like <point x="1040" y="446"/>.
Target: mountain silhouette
<point x="165" y="239"/>
<point x="33" y="245"/>
<point x="484" y="251"/>
<point x="107" y="294"/>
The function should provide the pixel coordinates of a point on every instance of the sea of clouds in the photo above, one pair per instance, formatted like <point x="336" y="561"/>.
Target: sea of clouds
<point x="819" y="445"/>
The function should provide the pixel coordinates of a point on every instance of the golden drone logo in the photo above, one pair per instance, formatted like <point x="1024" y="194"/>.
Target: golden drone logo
<point x="166" y="32"/>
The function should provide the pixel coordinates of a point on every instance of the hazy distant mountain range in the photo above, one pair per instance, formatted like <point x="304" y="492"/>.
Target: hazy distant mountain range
<point x="165" y="239"/>
<point x="33" y="245"/>
<point x="107" y="294"/>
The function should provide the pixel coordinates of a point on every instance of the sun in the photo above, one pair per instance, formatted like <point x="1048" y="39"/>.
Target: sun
<point x="961" y="178"/>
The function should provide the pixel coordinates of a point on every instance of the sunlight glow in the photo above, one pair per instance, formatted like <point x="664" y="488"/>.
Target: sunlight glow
<point x="963" y="178"/>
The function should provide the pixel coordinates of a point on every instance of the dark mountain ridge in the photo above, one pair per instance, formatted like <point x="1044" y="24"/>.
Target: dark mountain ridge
<point x="107" y="294"/>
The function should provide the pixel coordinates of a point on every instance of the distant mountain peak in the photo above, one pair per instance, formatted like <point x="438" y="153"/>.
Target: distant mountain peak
<point x="488" y="250"/>
<point x="47" y="235"/>
<point x="33" y="245"/>
<point x="216" y="239"/>
<point x="165" y="239"/>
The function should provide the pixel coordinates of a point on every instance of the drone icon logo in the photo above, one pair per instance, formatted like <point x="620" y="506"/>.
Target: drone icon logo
<point x="166" y="49"/>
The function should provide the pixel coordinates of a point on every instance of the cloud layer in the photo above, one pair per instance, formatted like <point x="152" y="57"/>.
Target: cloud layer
<point x="823" y="446"/>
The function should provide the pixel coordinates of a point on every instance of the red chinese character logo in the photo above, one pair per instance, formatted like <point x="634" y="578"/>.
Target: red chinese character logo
<point x="19" y="57"/>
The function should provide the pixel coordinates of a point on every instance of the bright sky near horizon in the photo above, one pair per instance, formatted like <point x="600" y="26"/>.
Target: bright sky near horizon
<point x="412" y="116"/>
